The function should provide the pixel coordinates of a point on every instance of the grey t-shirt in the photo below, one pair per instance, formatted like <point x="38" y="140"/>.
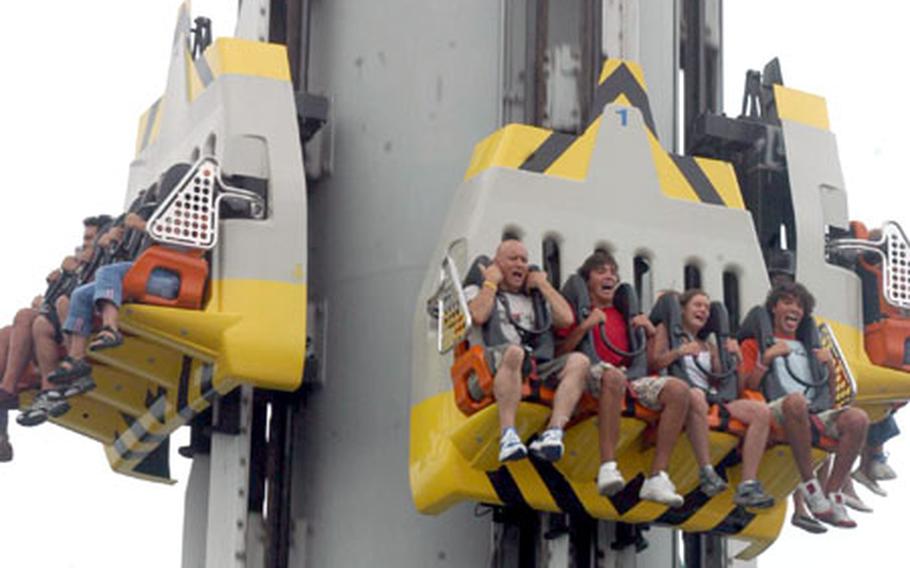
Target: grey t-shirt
<point x="799" y="364"/>
<point x="521" y="308"/>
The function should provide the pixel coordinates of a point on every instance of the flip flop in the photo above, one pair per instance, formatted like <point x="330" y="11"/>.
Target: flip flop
<point x="107" y="338"/>
<point x="808" y="524"/>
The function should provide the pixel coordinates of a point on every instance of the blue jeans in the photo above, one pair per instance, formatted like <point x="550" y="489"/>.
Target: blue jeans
<point x="108" y="285"/>
<point x="882" y="431"/>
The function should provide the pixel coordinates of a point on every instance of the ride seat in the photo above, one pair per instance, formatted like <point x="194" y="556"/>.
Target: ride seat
<point x="190" y="266"/>
<point x="473" y="386"/>
<point x="757" y="325"/>
<point x="575" y="291"/>
<point x="667" y="311"/>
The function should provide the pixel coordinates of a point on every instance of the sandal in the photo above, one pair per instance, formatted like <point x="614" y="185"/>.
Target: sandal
<point x="46" y="404"/>
<point x="808" y="524"/>
<point x="107" y="338"/>
<point x="69" y="370"/>
<point x="80" y="386"/>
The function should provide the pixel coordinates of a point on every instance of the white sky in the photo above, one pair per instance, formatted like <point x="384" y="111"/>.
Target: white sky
<point x="853" y="54"/>
<point x="78" y="74"/>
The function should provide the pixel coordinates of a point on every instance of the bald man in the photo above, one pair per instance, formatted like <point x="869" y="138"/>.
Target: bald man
<point x="504" y="300"/>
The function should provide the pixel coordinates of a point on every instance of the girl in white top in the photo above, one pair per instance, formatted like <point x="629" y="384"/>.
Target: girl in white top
<point x="697" y="355"/>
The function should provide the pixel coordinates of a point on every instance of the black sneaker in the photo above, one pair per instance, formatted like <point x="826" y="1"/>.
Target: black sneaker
<point x="751" y="495"/>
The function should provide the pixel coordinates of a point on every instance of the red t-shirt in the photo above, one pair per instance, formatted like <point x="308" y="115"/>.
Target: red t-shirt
<point x="616" y="330"/>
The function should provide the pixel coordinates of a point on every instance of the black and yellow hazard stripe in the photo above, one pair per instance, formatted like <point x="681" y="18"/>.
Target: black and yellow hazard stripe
<point x="169" y="410"/>
<point x="505" y="487"/>
<point x="447" y="468"/>
<point x="563" y="494"/>
<point x="145" y="389"/>
<point x="538" y="150"/>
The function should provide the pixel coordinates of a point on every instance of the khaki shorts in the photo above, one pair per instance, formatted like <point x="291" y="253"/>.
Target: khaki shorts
<point x="547" y="372"/>
<point x="647" y="389"/>
<point x="828" y="418"/>
<point x="597" y="370"/>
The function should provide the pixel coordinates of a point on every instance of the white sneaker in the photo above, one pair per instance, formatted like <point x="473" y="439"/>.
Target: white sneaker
<point x="510" y="446"/>
<point x="881" y="471"/>
<point x="609" y="479"/>
<point x="548" y="447"/>
<point x="660" y="489"/>
<point x="856" y="503"/>
<point x="860" y="477"/>
<point x="815" y="498"/>
<point x="838" y="516"/>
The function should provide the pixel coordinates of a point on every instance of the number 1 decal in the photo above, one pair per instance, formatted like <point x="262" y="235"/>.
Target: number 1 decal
<point x="624" y="116"/>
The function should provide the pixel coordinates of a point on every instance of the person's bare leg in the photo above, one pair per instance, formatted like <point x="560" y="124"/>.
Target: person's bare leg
<point x="674" y="398"/>
<point x="852" y="425"/>
<point x="5" y="334"/>
<point x="799" y="505"/>
<point x="609" y="409"/>
<point x="867" y="458"/>
<point x="47" y="351"/>
<point x="506" y="384"/>
<point x="799" y="436"/>
<point x="823" y="472"/>
<point x="697" y="426"/>
<point x="62" y="305"/>
<point x="757" y="417"/>
<point x="110" y="314"/>
<point x="20" y="349"/>
<point x="78" y="346"/>
<point x="568" y="392"/>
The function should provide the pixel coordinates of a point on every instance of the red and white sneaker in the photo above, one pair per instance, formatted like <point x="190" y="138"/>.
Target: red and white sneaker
<point x="815" y="499"/>
<point x="839" y="516"/>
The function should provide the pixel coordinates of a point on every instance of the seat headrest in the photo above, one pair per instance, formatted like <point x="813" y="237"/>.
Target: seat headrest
<point x="757" y="325"/>
<point x="575" y="291"/>
<point x="474" y="275"/>
<point x="718" y="322"/>
<point x="807" y="333"/>
<point x="626" y="300"/>
<point x="667" y="310"/>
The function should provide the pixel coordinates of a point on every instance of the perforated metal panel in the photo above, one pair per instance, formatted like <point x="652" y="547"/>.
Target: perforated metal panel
<point x="188" y="216"/>
<point x="897" y="266"/>
<point x="449" y="306"/>
<point x="845" y="384"/>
